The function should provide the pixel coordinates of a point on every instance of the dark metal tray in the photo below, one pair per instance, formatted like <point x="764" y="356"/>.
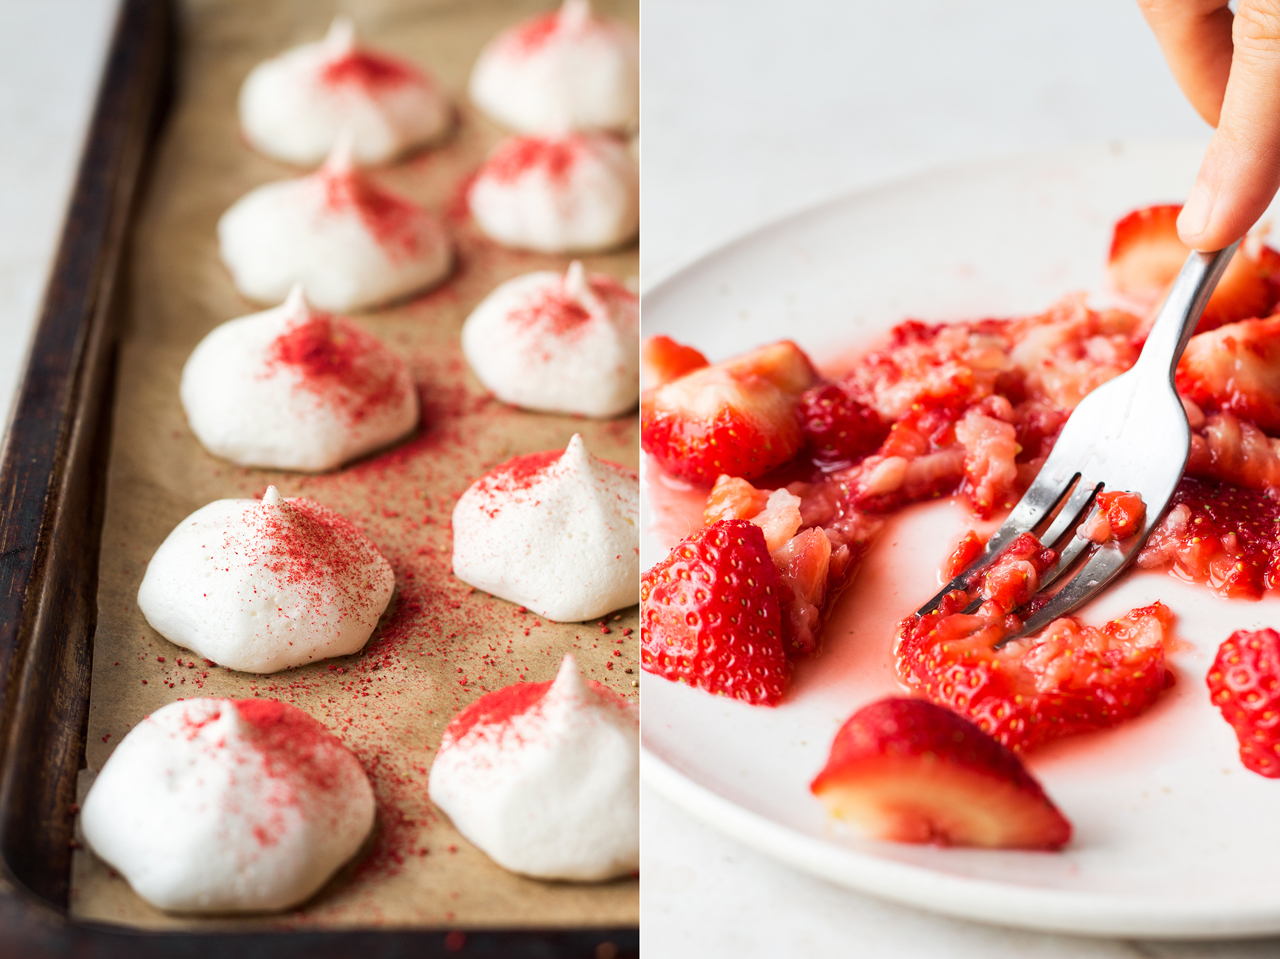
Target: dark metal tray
<point x="52" y="478"/>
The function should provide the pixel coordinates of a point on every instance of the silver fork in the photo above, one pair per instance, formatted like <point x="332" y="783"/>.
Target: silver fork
<point x="1129" y="434"/>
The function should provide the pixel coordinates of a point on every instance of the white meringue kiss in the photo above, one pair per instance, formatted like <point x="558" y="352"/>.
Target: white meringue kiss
<point x="290" y="388"/>
<point x="217" y="805"/>
<point x="555" y="532"/>
<point x="260" y="586"/>
<point x="567" y="194"/>
<point x="294" y="106"/>
<point x="560" y="344"/>
<point x="350" y="243"/>
<point x="568" y="70"/>
<point x="546" y="786"/>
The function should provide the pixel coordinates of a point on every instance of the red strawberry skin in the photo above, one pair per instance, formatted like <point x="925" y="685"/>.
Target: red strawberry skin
<point x="739" y="417"/>
<point x="907" y="770"/>
<point x="837" y="427"/>
<point x="711" y="615"/>
<point x="1244" y="683"/>
<point x="1071" y="679"/>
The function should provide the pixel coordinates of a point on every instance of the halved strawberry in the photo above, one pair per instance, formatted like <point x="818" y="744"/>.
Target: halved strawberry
<point x="906" y="770"/>
<point x="1236" y="369"/>
<point x="1070" y="679"/>
<point x="737" y="417"/>
<point x="1146" y="255"/>
<point x="666" y="360"/>
<point x="710" y="615"/>
<point x="1244" y="683"/>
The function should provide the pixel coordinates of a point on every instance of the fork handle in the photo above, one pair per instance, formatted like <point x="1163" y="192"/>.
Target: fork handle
<point x="1181" y="311"/>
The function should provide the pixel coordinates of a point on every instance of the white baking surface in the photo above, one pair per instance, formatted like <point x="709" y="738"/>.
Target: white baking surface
<point x="751" y="112"/>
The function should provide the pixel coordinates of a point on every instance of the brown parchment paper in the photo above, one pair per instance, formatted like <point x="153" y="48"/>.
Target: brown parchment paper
<point x="440" y="644"/>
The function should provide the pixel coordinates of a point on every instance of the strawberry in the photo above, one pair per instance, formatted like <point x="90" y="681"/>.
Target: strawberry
<point x="666" y="360"/>
<point x="837" y="427"/>
<point x="1119" y="516"/>
<point x="710" y="615"/>
<point x="1071" y="679"/>
<point x="1015" y="576"/>
<point x="1146" y="255"/>
<point x="967" y="550"/>
<point x="1220" y="535"/>
<point x="1244" y="683"/>
<point x="906" y="770"/>
<point x="1236" y="369"/>
<point x="737" y="417"/>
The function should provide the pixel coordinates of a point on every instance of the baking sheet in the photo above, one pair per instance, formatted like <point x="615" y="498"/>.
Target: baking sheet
<point x="441" y="644"/>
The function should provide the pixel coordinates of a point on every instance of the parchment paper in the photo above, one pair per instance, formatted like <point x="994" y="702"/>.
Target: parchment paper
<point x="441" y="644"/>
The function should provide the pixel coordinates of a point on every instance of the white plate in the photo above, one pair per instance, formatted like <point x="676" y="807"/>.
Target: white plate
<point x="1173" y="836"/>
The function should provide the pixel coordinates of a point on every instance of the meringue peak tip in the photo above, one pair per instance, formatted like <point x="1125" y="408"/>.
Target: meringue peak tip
<point x="341" y="158"/>
<point x="296" y="301"/>
<point x="577" y="446"/>
<point x="342" y="34"/>
<point x="272" y="497"/>
<point x="568" y="682"/>
<point x="574" y="13"/>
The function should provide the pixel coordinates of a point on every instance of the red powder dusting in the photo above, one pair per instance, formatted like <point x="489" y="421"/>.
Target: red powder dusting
<point x="521" y="472"/>
<point x="342" y="363"/>
<point x="497" y="708"/>
<point x="555" y="311"/>
<point x="532" y="35"/>
<point x="519" y="155"/>
<point x="395" y="222"/>
<point x="294" y="746"/>
<point x="370" y="71"/>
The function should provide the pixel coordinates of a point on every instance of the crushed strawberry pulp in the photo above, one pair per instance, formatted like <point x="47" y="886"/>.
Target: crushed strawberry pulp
<point x="972" y="409"/>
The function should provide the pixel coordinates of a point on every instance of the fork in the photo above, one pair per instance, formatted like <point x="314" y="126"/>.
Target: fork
<point x="1130" y="434"/>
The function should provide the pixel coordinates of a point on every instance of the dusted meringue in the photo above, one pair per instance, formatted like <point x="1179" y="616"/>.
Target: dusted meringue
<point x="350" y="243"/>
<point x="554" y="532"/>
<point x="292" y="388"/>
<point x="566" y="194"/>
<point x="544" y="777"/>
<point x="563" y="344"/>
<point x="294" y="106"/>
<point x="567" y="70"/>
<point x="260" y="586"/>
<point x="222" y="805"/>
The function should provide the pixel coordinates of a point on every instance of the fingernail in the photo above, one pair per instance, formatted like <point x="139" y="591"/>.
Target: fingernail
<point x="1194" y="218"/>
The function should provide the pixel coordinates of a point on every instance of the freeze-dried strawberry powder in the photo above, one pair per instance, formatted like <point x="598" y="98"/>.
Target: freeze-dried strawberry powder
<point x="395" y="222"/>
<point x="341" y="363"/>
<point x="294" y="746"/>
<point x="521" y="155"/>
<point x="370" y="71"/>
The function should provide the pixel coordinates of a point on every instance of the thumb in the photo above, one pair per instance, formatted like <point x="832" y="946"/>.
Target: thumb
<point x="1241" y="168"/>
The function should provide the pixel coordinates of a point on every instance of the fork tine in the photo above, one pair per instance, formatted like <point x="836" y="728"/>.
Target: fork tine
<point x="1072" y="511"/>
<point x="1105" y="564"/>
<point x="1040" y="499"/>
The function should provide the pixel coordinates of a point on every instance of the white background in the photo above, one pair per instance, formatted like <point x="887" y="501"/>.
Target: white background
<point x="753" y="110"/>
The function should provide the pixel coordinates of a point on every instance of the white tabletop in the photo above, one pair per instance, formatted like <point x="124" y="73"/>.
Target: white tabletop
<point x="755" y="109"/>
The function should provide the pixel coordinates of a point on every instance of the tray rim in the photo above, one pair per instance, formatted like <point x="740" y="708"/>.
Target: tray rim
<point x="59" y="427"/>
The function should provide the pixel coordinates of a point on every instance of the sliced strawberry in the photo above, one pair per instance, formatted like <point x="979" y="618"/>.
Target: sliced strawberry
<point x="837" y="427"/>
<point x="1236" y="369"/>
<point x="710" y="615"/>
<point x="737" y="417"/>
<point x="666" y="360"/>
<point x="967" y="550"/>
<point x="1071" y="679"/>
<point x="733" y="498"/>
<point x="906" y="770"/>
<point x="1015" y="576"/>
<point x="991" y="449"/>
<point x="1244" y="683"/>
<point x="1146" y="255"/>
<point x="1219" y="535"/>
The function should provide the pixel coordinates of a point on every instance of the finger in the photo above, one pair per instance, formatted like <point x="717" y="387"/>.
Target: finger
<point x="1195" y="36"/>
<point x="1241" y="168"/>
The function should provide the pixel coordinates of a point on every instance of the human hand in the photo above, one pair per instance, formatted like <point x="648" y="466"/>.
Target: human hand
<point x="1229" y="68"/>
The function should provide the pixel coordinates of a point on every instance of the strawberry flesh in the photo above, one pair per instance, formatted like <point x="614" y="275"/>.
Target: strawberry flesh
<point x="710" y="615"/>
<point x="837" y="427"/>
<point x="1244" y="683"/>
<point x="666" y="360"/>
<point x="906" y="770"/>
<point x="1236" y="369"/>
<point x="738" y="417"/>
